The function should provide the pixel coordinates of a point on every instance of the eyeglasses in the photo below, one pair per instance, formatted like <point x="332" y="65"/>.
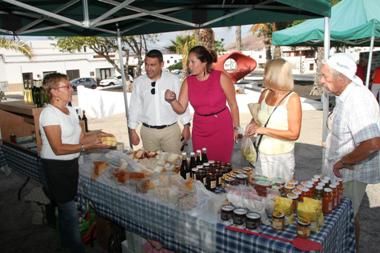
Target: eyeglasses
<point x="68" y="87"/>
<point x="153" y="90"/>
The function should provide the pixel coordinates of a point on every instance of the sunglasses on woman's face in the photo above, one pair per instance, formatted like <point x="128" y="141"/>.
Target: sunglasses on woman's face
<point x="153" y="90"/>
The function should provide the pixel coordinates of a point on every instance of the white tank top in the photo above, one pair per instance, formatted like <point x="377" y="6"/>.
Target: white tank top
<point x="278" y="120"/>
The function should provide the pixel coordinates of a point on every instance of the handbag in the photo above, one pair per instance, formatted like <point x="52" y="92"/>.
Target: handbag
<point x="256" y="144"/>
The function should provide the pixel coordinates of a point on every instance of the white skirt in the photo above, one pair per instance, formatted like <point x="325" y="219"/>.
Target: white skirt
<point x="272" y="166"/>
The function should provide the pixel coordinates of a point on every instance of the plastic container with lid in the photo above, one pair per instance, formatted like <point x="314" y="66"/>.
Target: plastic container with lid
<point x="252" y="220"/>
<point x="238" y="216"/>
<point x="242" y="178"/>
<point x="226" y="212"/>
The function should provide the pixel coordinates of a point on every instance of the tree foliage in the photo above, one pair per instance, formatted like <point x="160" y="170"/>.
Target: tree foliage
<point x="106" y="47"/>
<point x="17" y="45"/>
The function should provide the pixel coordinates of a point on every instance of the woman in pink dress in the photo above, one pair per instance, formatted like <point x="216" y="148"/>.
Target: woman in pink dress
<point x="215" y="126"/>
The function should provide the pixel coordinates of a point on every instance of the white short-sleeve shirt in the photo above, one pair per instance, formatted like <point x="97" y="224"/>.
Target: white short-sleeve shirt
<point x="70" y="131"/>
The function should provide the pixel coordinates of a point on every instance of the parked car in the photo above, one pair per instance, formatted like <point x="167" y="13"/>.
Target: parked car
<point x="87" y="82"/>
<point x="115" y="80"/>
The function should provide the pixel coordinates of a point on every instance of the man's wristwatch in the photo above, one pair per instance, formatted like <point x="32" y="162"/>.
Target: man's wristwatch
<point x="82" y="149"/>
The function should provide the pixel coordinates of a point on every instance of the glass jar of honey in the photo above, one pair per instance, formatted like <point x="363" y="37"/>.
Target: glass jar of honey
<point x="334" y="195"/>
<point x="278" y="220"/>
<point x="303" y="228"/>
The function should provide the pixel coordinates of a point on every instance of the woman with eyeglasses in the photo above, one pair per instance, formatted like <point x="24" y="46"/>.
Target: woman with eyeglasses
<point x="62" y="142"/>
<point x="209" y="91"/>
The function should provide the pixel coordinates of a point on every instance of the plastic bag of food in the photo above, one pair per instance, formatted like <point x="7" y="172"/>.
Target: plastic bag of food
<point x="248" y="150"/>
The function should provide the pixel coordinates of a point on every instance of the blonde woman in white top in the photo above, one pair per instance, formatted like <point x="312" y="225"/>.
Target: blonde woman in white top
<point x="276" y="148"/>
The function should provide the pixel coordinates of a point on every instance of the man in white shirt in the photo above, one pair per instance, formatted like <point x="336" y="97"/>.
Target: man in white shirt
<point x="159" y="130"/>
<point x="352" y="143"/>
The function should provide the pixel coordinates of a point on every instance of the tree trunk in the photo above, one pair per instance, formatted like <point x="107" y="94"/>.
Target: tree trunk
<point x="238" y="37"/>
<point x="316" y="90"/>
<point x="277" y="52"/>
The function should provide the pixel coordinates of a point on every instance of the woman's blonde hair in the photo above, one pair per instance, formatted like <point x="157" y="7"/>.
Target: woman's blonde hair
<point x="278" y="75"/>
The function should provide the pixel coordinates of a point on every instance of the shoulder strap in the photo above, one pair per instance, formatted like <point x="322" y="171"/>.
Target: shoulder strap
<point x="266" y="123"/>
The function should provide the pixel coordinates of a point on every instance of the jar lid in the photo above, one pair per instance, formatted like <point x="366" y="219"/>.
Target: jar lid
<point x="228" y="208"/>
<point x="278" y="214"/>
<point x="240" y="211"/>
<point x="293" y="181"/>
<point x="253" y="215"/>
<point x="327" y="190"/>
<point x="289" y="186"/>
<point x="194" y="169"/>
<point x="241" y="176"/>
<point x="305" y="223"/>
<point x="292" y="195"/>
<point x="319" y="188"/>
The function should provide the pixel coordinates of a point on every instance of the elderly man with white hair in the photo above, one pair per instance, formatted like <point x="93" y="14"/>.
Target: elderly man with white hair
<point x="352" y="144"/>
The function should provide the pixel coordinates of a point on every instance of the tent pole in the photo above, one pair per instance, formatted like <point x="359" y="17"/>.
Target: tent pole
<point x="123" y="79"/>
<point x="325" y="95"/>
<point x="370" y="58"/>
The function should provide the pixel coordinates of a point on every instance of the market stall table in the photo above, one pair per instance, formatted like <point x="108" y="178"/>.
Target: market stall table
<point x="185" y="231"/>
<point x="182" y="232"/>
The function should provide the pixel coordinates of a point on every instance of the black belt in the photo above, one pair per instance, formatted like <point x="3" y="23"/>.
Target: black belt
<point x="158" y="127"/>
<point x="212" y="114"/>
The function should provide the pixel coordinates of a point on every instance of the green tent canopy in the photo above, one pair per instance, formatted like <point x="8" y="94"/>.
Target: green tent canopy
<point x="133" y="17"/>
<point x="353" y="22"/>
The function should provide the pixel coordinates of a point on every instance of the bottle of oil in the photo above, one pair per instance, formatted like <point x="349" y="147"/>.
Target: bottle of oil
<point x="84" y="118"/>
<point x="184" y="169"/>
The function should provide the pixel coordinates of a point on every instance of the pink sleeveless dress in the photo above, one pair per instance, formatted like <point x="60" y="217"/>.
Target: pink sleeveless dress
<point x="212" y="124"/>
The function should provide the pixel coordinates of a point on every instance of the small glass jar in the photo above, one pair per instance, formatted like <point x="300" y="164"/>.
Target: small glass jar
<point x="201" y="175"/>
<point x="334" y="189"/>
<point x="226" y="212"/>
<point x="252" y="220"/>
<point x="239" y="216"/>
<point x="242" y="178"/>
<point x="318" y="193"/>
<point x="211" y="182"/>
<point x="294" y="197"/>
<point x="194" y="172"/>
<point x="340" y="189"/>
<point x="303" y="228"/>
<point x="327" y="201"/>
<point x="278" y="220"/>
<point x="219" y="176"/>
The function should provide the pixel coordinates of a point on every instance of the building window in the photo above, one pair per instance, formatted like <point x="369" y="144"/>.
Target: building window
<point x="72" y="73"/>
<point x="311" y="66"/>
<point x="175" y="61"/>
<point x="168" y="61"/>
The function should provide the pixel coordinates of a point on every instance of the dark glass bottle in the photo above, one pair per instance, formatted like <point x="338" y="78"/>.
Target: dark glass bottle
<point x="184" y="169"/>
<point x="193" y="162"/>
<point x="199" y="157"/>
<point x="204" y="155"/>
<point x="77" y="110"/>
<point x="84" y="118"/>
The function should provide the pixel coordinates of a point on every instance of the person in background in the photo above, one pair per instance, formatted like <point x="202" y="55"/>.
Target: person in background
<point x="216" y="126"/>
<point x="375" y="88"/>
<point x="159" y="130"/>
<point x="361" y="68"/>
<point x="62" y="142"/>
<point x="355" y="128"/>
<point x="276" y="149"/>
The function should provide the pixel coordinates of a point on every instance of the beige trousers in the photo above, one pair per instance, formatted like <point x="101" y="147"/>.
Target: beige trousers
<point x="167" y="139"/>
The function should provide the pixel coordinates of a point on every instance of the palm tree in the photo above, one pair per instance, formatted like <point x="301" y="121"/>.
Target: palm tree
<point x="205" y="37"/>
<point x="182" y="45"/>
<point x="16" y="45"/>
<point x="265" y="30"/>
